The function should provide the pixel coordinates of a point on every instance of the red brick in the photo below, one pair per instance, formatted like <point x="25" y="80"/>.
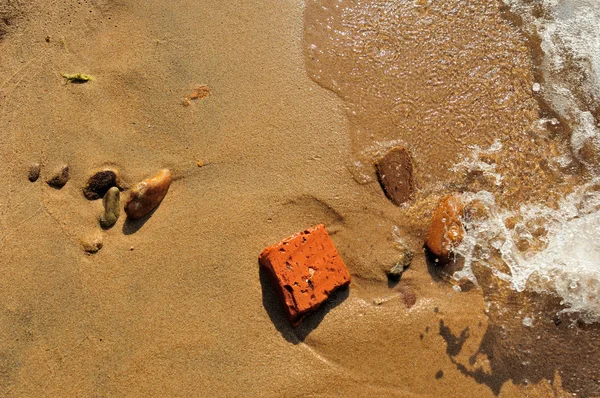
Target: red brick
<point x="305" y="269"/>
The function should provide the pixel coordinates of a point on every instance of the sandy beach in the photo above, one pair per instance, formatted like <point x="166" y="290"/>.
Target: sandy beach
<point x="175" y="304"/>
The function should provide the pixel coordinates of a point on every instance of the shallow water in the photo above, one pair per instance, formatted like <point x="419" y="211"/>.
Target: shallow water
<point x="461" y="94"/>
<point x="503" y="109"/>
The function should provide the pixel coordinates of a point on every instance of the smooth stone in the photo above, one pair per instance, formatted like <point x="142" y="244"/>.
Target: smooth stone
<point x="112" y="208"/>
<point x="93" y="245"/>
<point x="34" y="172"/>
<point x="145" y="196"/>
<point x="446" y="229"/>
<point x="99" y="184"/>
<point x="395" y="174"/>
<point x="60" y="179"/>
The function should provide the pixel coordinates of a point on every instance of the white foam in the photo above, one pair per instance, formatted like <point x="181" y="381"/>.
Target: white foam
<point x="473" y="163"/>
<point x="570" y="39"/>
<point x="548" y="250"/>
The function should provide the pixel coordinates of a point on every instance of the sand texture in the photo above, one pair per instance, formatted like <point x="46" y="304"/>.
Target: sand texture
<point x="175" y="304"/>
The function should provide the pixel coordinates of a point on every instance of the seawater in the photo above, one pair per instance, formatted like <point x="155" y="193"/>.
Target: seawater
<point x="457" y="84"/>
<point x="552" y="249"/>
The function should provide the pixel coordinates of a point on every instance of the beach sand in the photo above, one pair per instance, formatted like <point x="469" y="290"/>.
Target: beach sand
<point x="175" y="305"/>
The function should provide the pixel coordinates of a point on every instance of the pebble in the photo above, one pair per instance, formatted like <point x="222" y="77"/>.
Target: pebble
<point x="395" y="273"/>
<point x="112" y="208"/>
<point x="34" y="172"/>
<point x="446" y="230"/>
<point x="99" y="184"/>
<point x="395" y="174"/>
<point x="60" y="179"/>
<point x="147" y="195"/>
<point x="93" y="245"/>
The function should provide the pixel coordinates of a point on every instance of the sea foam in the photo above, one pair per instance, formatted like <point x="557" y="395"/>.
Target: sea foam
<point x="569" y="33"/>
<point x="544" y="249"/>
<point x="540" y="248"/>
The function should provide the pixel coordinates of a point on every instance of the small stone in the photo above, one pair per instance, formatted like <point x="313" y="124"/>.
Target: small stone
<point x="395" y="174"/>
<point x="60" y="179"/>
<point x="147" y="195"/>
<point x="34" y="172"/>
<point x="112" y="208"/>
<point x="395" y="273"/>
<point x="99" y="184"/>
<point x="446" y="229"/>
<point x="92" y="246"/>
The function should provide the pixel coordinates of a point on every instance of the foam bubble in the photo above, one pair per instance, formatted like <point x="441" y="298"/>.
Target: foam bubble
<point x="570" y="40"/>
<point x="540" y="248"/>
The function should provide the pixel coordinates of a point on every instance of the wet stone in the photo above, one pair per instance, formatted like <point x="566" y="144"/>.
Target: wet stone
<point x="395" y="273"/>
<point x="99" y="184"/>
<point x="34" y="172"/>
<point x="60" y="179"/>
<point x="395" y="174"/>
<point x="446" y="229"/>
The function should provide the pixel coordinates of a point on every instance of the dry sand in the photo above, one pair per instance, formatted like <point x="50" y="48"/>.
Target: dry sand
<point x="175" y="306"/>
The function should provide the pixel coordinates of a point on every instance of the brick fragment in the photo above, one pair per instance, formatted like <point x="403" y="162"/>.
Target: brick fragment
<point x="305" y="269"/>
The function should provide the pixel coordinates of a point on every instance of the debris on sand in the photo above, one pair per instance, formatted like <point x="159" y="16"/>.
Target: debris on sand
<point x="305" y="269"/>
<point x="92" y="245"/>
<point x="77" y="77"/>
<point x="201" y="91"/>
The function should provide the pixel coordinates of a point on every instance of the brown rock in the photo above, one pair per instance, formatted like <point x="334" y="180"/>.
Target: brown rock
<point x="147" y="195"/>
<point x="60" y="179"/>
<point x="34" y="172"/>
<point x="446" y="230"/>
<point x="395" y="174"/>
<point x="99" y="184"/>
<point x="304" y="269"/>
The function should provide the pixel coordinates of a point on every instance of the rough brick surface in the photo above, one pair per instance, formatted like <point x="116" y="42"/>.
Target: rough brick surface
<point x="304" y="269"/>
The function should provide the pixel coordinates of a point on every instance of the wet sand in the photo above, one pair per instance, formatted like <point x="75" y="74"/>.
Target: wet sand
<point x="175" y="305"/>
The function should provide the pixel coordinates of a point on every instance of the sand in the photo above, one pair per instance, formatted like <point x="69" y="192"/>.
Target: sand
<point x="175" y="305"/>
